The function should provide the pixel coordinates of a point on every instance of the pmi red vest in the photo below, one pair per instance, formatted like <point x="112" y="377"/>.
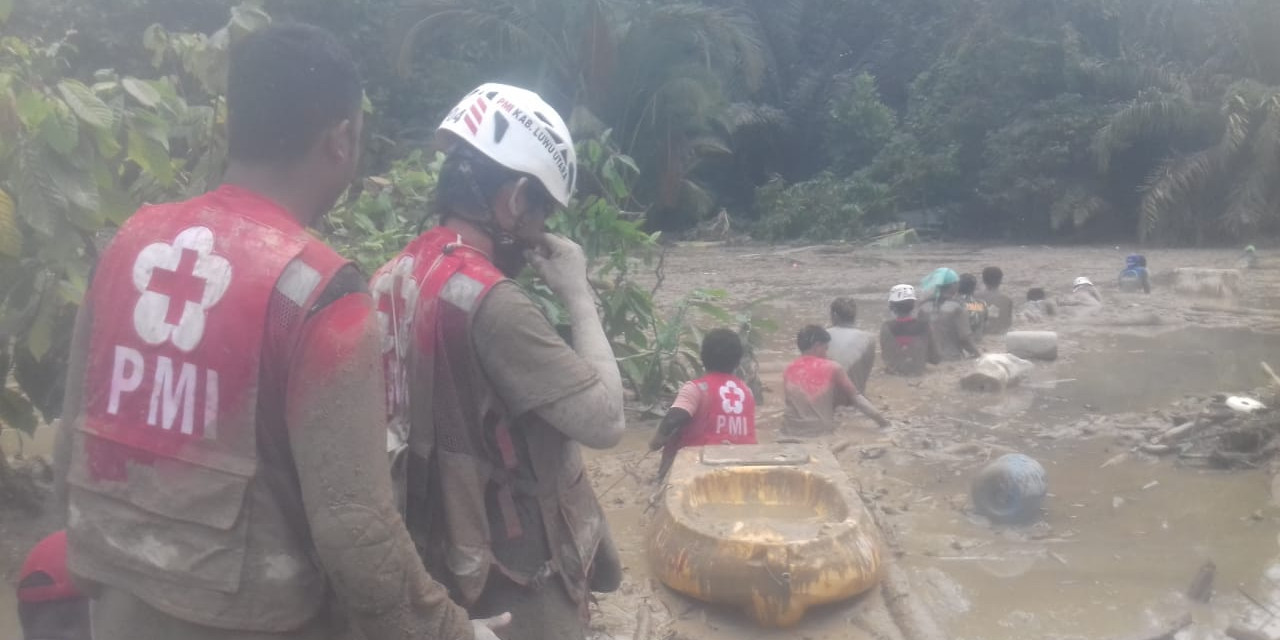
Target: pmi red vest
<point x="166" y="500"/>
<point x="465" y="464"/>
<point x="726" y="415"/>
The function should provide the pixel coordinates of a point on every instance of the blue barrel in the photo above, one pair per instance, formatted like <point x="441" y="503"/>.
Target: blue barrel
<point x="1010" y="490"/>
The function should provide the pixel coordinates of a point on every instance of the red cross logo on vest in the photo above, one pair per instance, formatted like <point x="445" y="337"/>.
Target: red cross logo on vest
<point x="179" y="283"/>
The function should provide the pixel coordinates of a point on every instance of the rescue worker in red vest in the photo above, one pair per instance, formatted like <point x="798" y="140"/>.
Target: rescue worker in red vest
<point x="487" y="401"/>
<point x="222" y="453"/>
<point x="717" y="408"/>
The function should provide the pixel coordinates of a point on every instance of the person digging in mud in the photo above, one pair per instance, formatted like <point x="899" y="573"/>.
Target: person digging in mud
<point x="853" y="348"/>
<point x="1083" y="294"/>
<point x="1134" y="277"/>
<point x="489" y="400"/>
<point x="717" y="408"/>
<point x="50" y="606"/>
<point x="999" y="306"/>
<point x="905" y="339"/>
<point x="815" y="385"/>
<point x="948" y="318"/>
<point x="222" y="462"/>
<point x="1038" y="308"/>
<point x="977" y="309"/>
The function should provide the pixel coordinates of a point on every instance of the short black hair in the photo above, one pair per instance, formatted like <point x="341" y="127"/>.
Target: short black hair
<point x="811" y="335"/>
<point x="968" y="284"/>
<point x="469" y="181"/>
<point x="1035" y="293"/>
<point x="844" y="311"/>
<point x="287" y="84"/>
<point x="721" y="351"/>
<point x="992" y="277"/>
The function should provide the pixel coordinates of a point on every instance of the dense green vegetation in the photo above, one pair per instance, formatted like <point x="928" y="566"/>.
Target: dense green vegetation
<point x="1150" y="120"/>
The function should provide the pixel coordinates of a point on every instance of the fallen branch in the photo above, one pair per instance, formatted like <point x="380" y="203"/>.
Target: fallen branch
<point x="1168" y="631"/>
<point x="1274" y="378"/>
<point x="1238" y="632"/>
<point x="644" y="623"/>
<point x="1201" y="588"/>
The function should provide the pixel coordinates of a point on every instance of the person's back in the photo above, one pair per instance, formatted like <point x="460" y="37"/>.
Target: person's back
<point x="1135" y="277"/>
<point x="1038" y="308"/>
<point x="950" y="329"/>
<point x="811" y="397"/>
<point x="814" y="385"/>
<point x="853" y="348"/>
<point x="905" y="340"/>
<point x="222" y="407"/>
<point x="1083" y="294"/>
<point x="999" y="306"/>
<point x="717" y="408"/>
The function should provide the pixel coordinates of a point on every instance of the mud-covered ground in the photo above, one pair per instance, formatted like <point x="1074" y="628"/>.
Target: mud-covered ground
<point x="1123" y="532"/>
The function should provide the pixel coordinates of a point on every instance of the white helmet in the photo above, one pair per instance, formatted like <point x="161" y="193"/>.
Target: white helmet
<point x="517" y="129"/>
<point x="1081" y="282"/>
<point x="901" y="292"/>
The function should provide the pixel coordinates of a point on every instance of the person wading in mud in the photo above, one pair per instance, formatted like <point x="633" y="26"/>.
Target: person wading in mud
<point x="948" y="318"/>
<point x="977" y="309"/>
<point x="717" y="408"/>
<point x="905" y="340"/>
<point x="222" y="459"/>
<point x="815" y="385"/>
<point x="488" y="400"/>
<point x="999" y="306"/>
<point x="1083" y="294"/>
<point x="853" y="348"/>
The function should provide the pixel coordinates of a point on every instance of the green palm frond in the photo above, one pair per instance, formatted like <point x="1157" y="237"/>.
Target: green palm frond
<point x="1164" y="115"/>
<point x="1171" y="189"/>
<point x="1256" y="195"/>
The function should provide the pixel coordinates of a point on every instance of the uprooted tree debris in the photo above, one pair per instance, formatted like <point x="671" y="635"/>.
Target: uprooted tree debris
<point x="1207" y="432"/>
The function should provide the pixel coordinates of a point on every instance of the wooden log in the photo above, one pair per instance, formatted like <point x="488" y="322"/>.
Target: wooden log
<point x="1239" y="632"/>
<point x="1201" y="588"/>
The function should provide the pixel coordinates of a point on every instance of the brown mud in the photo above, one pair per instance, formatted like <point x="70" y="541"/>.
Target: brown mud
<point x="1123" y="533"/>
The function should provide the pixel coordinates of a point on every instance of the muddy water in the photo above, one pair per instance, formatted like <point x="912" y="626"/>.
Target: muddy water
<point x="1119" y="544"/>
<point x="1134" y="373"/>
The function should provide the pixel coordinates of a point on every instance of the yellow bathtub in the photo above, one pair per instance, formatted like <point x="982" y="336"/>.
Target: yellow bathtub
<point x="774" y="529"/>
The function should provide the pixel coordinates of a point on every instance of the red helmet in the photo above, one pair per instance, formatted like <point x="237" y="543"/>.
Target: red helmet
<point x="44" y="576"/>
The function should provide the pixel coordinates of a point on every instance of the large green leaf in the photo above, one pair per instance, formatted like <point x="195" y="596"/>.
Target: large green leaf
<point x="142" y="91"/>
<point x="40" y="202"/>
<point x="80" y="191"/>
<point x="151" y="156"/>
<point x="87" y="106"/>
<point x="15" y="410"/>
<point x="10" y="234"/>
<point x="60" y="130"/>
<point x="32" y="108"/>
<point x="40" y="336"/>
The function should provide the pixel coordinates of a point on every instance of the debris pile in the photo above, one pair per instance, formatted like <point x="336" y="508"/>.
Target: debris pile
<point x="1222" y="431"/>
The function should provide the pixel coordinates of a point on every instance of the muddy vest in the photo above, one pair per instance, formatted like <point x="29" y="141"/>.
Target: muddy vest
<point x="167" y="497"/>
<point x="726" y="415"/>
<point x="467" y="470"/>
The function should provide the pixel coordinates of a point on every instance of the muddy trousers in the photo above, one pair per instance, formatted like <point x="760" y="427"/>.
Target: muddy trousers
<point x="119" y="615"/>
<point x="546" y="613"/>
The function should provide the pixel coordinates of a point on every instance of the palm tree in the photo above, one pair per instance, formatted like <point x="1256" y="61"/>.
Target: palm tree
<point x="1218" y="179"/>
<point x="661" y="74"/>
